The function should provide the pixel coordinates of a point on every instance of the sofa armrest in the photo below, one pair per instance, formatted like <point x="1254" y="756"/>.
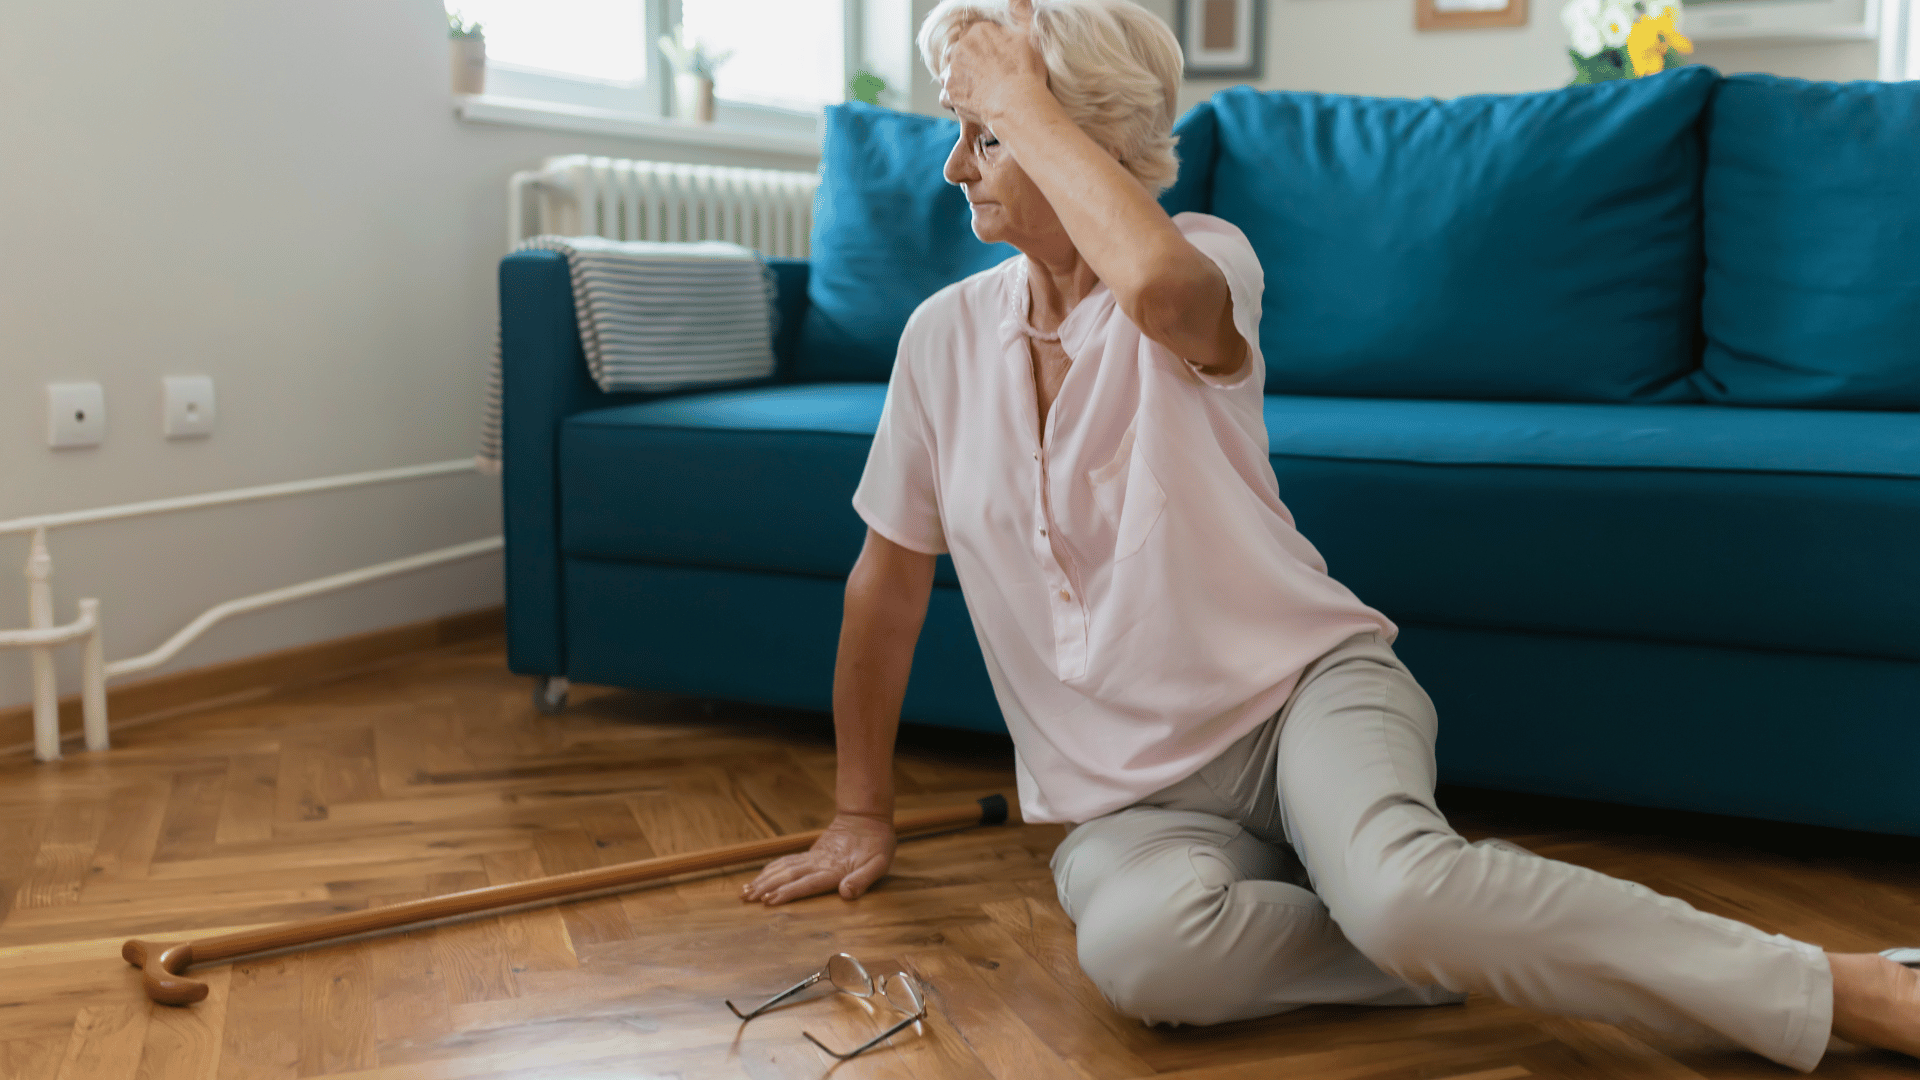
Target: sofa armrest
<point x="544" y="380"/>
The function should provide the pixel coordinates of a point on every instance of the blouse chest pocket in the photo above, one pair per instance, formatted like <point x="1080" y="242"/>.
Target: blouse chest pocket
<point x="1127" y="497"/>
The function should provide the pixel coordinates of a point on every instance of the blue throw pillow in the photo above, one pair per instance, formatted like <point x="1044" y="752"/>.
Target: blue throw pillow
<point x="889" y="231"/>
<point x="1540" y="247"/>
<point x="1813" y="244"/>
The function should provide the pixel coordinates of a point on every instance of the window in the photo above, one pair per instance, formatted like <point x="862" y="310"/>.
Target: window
<point x="789" y="56"/>
<point x="602" y="40"/>
<point x="1899" y="40"/>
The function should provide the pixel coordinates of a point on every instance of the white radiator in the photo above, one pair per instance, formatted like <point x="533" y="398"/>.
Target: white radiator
<point x="768" y="210"/>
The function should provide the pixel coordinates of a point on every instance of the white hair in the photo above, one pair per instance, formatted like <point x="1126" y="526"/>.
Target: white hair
<point x="1113" y="65"/>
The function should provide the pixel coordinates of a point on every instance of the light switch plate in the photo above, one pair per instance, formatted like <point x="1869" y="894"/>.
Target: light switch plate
<point x="76" y="415"/>
<point x="187" y="407"/>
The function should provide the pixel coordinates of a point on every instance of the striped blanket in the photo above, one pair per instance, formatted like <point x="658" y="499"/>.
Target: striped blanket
<point x="657" y="317"/>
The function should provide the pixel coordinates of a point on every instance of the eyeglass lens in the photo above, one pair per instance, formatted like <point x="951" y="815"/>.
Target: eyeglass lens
<point x="902" y="993"/>
<point x="848" y="975"/>
<point x="843" y="971"/>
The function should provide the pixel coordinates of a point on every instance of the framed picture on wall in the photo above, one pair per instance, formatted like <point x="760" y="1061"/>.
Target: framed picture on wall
<point x="1222" y="39"/>
<point x="1468" y="14"/>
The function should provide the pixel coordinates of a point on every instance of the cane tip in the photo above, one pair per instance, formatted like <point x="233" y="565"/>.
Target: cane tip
<point x="993" y="810"/>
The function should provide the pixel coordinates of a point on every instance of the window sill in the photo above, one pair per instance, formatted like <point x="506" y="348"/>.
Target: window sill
<point x="525" y="112"/>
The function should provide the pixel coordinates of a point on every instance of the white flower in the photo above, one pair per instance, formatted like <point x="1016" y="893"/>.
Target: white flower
<point x="1577" y="13"/>
<point x="1586" y="39"/>
<point x="1616" y="22"/>
<point x="1582" y="20"/>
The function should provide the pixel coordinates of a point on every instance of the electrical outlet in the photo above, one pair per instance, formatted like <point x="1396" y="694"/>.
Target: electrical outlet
<point x="76" y="415"/>
<point x="186" y="406"/>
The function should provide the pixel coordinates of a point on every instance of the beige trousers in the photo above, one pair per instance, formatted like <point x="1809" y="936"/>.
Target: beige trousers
<point x="1308" y="864"/>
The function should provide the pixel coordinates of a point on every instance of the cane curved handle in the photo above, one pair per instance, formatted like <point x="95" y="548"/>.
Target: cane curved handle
<point x="160" y="967"/>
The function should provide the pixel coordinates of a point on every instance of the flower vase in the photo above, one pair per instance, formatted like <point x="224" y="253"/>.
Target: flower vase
<point x="469" y="64"/>
<point x="693" y="98"/>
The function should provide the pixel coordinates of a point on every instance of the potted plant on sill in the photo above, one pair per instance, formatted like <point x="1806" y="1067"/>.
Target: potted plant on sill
<point x="469" y="54"/>
<point x="868" y="87"/>
<point x="693" y="67"/>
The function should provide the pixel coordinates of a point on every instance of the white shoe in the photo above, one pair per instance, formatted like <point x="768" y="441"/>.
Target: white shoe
<point x="1909" y="958"/>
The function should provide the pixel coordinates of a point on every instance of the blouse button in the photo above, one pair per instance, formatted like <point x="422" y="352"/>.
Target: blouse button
<point x="1065" y="595"/>
<point x="1036" y="456"/>
<point x="1043" y="532"/>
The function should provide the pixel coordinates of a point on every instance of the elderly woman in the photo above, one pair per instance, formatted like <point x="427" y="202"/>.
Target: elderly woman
<point x="1248" y="766"/>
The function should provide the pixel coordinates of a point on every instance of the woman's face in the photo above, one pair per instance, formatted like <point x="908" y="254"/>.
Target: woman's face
<point x="1007" y="206"/>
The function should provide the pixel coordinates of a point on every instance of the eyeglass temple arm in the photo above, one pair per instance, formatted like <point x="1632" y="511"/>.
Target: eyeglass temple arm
<point x="870" y="1043"/>
<point x="777" y="998"/>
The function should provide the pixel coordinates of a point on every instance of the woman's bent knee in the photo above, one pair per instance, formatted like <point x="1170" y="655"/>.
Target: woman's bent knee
<point x="1146" y="969"/>
<point x="1150" y="892"/>
<point x="1231" y="952"/>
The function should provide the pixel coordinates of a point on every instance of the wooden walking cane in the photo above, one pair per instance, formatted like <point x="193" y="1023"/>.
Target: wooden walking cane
<point x="161" y="964"/>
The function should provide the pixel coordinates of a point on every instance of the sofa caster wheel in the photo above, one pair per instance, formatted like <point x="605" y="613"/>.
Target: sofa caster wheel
<point x="550" y="694"/>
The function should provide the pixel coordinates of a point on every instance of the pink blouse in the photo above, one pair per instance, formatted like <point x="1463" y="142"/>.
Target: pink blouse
<point x="1140" y="592"/>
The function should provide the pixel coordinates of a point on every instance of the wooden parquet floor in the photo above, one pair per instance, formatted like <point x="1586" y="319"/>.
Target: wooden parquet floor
<point x="436" y="775"/>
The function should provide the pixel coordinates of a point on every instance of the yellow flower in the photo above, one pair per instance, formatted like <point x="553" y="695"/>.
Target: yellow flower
<point x="1649" y="41"/>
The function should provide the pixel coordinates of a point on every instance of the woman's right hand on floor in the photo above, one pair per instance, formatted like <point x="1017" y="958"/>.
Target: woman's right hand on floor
<point x="853" y="853"/>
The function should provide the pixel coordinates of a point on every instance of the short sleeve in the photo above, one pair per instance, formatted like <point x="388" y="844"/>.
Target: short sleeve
<point x="898" y="496"/>
<point x="1229" y="249"/>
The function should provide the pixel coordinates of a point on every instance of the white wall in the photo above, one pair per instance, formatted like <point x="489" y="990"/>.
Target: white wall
<point x="277" y="195"/>
<point x="1371" y="47"/>
<point x="1838" y="61"/>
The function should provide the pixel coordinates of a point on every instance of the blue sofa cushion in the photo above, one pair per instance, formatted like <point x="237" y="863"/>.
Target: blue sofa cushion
<point x="1694" y="523"/>
<point x="786" y="628"/>
<point x="1518" y="247"/>
<point x="1812" y="200"/>
<point x="758" y="479"/>
<point x="1771" y="529"/>
<point x="1820" y="739"/>
<point x="889" y="231"/>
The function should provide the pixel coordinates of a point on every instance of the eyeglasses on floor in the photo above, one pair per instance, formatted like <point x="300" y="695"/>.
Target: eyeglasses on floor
<point x="849" y="976"/>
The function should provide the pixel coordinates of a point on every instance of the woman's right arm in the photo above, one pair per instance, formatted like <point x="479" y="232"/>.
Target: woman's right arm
<point x="886" y="603"/>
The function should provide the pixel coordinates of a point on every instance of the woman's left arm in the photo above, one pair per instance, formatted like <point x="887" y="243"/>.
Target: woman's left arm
<point x="1175" y="294"/>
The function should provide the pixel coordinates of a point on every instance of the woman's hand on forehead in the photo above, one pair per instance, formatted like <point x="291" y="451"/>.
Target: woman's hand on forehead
<point x="991" y="66"/>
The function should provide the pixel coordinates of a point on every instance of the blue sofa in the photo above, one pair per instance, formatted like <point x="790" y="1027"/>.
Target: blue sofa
<point x="1606" y="395"/>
